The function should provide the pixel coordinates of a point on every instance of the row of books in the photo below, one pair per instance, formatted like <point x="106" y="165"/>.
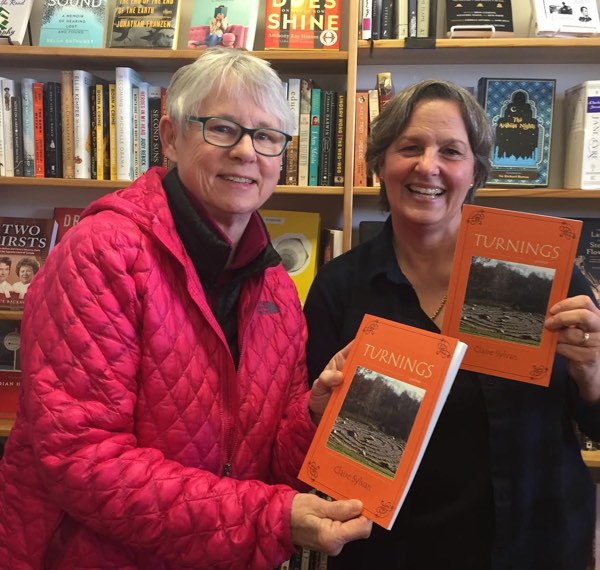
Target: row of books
<point x="398" y="19"/>
<point x="315" y="155"/>
<point x="288" y="24"/>
<point x="522" y="114"/>
<point x="81" y="126"/>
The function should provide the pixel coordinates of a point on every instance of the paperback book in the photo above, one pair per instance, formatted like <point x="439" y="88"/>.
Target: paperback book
<point x="377" y="424"/>
<point x="73" y="24"/>
<point x="145" y="24"/>
<point x="14" y="19"/>
<point x="477" y="19"/>
<point x="295" y="237"/>
<point x="10" y="365"/>
<point x="570" y="18"/>
<point x="303" y="24"/>
<point x="24" y="246"/>
<point x="588" y="254"/>
<point x="230" y="25"/>
<point x="521" y="112"/>
<point x="582" y="129"/>
<point x="509" y="269"/>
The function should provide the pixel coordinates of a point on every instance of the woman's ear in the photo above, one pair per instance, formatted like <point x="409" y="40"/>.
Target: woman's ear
<point x="168" y="137"/>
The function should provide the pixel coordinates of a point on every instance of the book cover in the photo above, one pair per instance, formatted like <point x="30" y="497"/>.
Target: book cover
<point x="154" y="114"/>
<point x="401" y="19"/>
<point x="387" y="20"/>
<point x="303" y="24"/>
<point x="385" y="88"/>
<point x="373" y="105"/>
<point x="126" y="79"/>
<point x="332" y="244"/>
<point x="52" y="130"/>
<point x="295" y="236"/>
<point x="582" y="129"/>
<point x="291" y="156"/>
<point x="306" y="87"/>
<point x="10" y="363"/>
<point x="377" y="424"/>
<point x="361" y="131"/>
<point x="93" y="134"/>
<point x="366" y="20"/>
<point x="588" y="254"/>
<point x="521" y="112"/>
<point x="17" y="134"/>
<point x="9" y="90"/>
<point x="73" y="24"/>
<point x="328" y="118"/>
<point x="509" y="269"/>
<point x="82" y="121"/>
<point x="315" y="137"/>
<point x="27" y="116"/>
<point x="38" y="128"/>
<point x="24" y="246"/>
<point x="230" y="24"/>
<point x="145" y="24"/>
<point x="14" y="19"/>
<point x="571" y="18"/>
<point x="144" y="133"/>
<point x="481" y="18"/>
<point x="102" y="157"/>
<point x="64" y="219"/>
<point x="340" y="143"/>
<point x="68" y="127"/>
<point x="112" y="129"/>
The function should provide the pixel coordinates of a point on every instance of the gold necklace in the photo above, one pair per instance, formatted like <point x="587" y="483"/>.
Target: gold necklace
<point x="439" y="309"/>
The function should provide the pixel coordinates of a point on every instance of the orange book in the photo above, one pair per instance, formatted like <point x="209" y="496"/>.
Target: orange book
<point x="509" y="269"/>
<point x="38" y="128"/>
<point x="361" y="133"/>
<point x="303" y="24"/>
<point x="377" y="424"/>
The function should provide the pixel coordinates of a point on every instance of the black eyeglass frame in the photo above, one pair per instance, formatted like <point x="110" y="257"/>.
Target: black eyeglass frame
<point x="243" y="131"/>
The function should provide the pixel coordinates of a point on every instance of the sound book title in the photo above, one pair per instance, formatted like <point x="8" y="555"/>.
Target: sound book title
<point x="303" y="24"/>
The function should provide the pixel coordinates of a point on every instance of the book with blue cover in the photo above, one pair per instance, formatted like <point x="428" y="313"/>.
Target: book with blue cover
<point x="521" y="112"/>
<point x="78" y="25"/>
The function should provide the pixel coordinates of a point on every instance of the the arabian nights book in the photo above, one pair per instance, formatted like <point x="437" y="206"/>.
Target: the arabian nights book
<point x="377" y="424"/>
<point x="521" y="112"/>
<point x="509" y="269"/>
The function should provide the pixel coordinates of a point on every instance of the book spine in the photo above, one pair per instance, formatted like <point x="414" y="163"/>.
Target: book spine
<point x="93" y="134"/>
<point x="373" y="113"/>
<point x="68" y="140"/>
<point x="315" y="138"/>
<point x="306" y="86"/>
<point x="125" y="78"/>
<point x="38" y="128"/>
<point x="52" y="145"/>
<point x="412" y="18"/>
<point x="367" y="16"/>
<point x="423" y="18"/>
<point x="112" y="129"/>
<point x="387" y="20"/>
<point x="385" y="88"/>
<point x="28" y="137"/>
<point x="135" y="129"/>
<point x="144" y="136"/>
<point x="376" y="19"/>
<point x="8" y="91"/>
<point x="401" y="19"/>
<point x="99" y="126"/>
<point x="340" y="132"/>
<point x="327" y="137"/>
<point x="154" y="95"/>
<point x="82" y="123"/>
<point x="291" y="166"/>
<point x="360" y="138"/>
<point x="591" y="146"/>
<point x="17" y="123"/>
<point x="2" y="145"/>
<point x="163" y="111"/>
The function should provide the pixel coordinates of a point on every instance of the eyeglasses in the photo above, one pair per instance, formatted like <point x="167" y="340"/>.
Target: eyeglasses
<point x="226" y="133"/>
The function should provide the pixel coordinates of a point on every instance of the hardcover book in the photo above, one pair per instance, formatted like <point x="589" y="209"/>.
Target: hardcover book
<point x="127" y="79"/>
<point x="53" y="150"/>
<point x="339" y="142"/>
<point x="521" y="112"/>
<point x="73" y="24"/>
<point x="10" y="364"/>
<point x="64" y="219"/>
<point x="68" y="126"/>
<point x="28" y="129"/>
<point x="230" y="24"/>
<point x="571" y="18"/>
<point x="14" y="19"/>
<point x="24" y="246"/>
<point x="582" y="129"/>
<point x="303" y="24"/>
<point x="9" y="89"/>
<point x="82" y="122"/>
<point x="291" y="156"/>
<point x="377" y="424"/>
<point x="509" y="269"/>
<point x="295" y="236"/>
<point x="481" y="18"/>
<point x="145" y="24"/>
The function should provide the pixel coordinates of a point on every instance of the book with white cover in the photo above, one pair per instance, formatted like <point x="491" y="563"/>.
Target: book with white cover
<point x="82" y="127"/>
<point x="126" y="79"/>
<point x="582" y="128"/>
<point x="14" y="19"/>
<point x="570" y="18"/>
<point x="8" y="88"/>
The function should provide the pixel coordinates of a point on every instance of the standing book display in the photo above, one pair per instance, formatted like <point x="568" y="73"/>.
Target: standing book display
<point x="477" y="19"/>
<point x="509" y="269"/>
<point x="73" y="24"/>
<point x="377" y="424"/>
<point x="570" y="18"/>
<point x="14" y="20"/>
<point x="521" y="112"/>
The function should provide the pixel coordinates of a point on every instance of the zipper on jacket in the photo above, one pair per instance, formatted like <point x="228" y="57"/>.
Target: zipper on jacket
<point x="227" y="469"/>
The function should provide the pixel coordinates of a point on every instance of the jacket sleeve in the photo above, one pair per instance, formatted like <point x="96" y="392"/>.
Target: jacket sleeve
<point x="81" y="332"/>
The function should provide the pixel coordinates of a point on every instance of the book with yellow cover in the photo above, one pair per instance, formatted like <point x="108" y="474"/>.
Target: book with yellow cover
<point x="377" y="424"/>
<point x="295" y="236"/>
<point x="509" y="269"/>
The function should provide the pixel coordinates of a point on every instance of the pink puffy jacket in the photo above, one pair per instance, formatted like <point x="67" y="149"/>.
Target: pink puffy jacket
<point x="131" y="407"/>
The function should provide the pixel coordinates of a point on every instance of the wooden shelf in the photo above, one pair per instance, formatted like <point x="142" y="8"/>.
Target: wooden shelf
<point x="11" y="315"/>
<point x="512" y="193"/>
<point x="5" y="427"/>
<point x="32" y="57"/>
<point x="592" y="459"/>
<point x="482" y="51"/>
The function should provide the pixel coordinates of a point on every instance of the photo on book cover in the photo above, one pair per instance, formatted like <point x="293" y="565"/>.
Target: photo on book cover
<point x="375" y="420"/>
<point x="506" y="300"/>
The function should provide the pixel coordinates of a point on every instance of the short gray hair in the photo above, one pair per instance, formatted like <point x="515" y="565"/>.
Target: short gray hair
<point x="239" y="73"/>
<point x="394" y="117"/>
